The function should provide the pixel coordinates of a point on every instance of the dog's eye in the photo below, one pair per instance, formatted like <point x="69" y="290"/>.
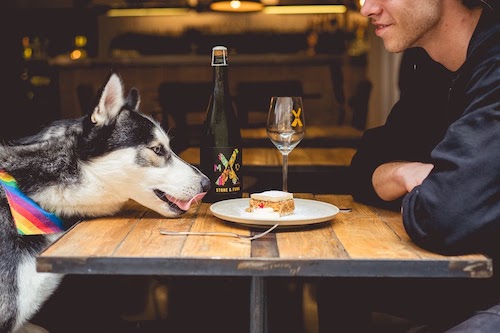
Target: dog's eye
<point x="158" y="150"/>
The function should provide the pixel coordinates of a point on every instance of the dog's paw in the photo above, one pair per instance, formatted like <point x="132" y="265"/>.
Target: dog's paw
<point x="31" y="328"/>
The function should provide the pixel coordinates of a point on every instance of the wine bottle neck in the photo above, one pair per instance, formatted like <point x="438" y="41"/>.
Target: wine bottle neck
<point x="220" y="78"/>
<point x="219" y="64"/>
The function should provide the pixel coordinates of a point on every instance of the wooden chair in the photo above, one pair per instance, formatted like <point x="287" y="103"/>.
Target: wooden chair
<point x="183" y="108"/>
<point x="252" y="99"/>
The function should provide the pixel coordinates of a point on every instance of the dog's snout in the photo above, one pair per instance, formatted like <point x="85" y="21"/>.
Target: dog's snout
<point x="205" y="183"/>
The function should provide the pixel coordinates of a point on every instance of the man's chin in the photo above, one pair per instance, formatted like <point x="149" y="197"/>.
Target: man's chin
<point x="394" y="48"/>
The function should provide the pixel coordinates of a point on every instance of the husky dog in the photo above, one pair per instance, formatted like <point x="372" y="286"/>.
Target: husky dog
<point x="85" y="167"/>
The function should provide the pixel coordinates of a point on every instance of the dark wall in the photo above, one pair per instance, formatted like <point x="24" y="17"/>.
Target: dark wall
<point x="10" y="68"/>
<point x="29" y="90"/>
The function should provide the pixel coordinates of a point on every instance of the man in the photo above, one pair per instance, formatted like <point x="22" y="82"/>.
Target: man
<point x="437" y="158"/>
<point x="442" y="169"/>
<point x="451" y="200"/>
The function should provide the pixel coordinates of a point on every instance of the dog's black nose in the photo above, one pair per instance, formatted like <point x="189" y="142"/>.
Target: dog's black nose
<point x="205" y="183"/>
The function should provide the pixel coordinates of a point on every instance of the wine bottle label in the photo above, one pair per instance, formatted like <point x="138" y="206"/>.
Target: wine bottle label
<point x="222" y="166"/>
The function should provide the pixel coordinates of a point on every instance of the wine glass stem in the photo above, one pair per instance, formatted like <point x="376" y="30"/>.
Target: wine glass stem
<point x="285" y="172"/>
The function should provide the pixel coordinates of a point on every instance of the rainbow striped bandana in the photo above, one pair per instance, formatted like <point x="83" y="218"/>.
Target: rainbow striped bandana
<point x="29" y="217"/>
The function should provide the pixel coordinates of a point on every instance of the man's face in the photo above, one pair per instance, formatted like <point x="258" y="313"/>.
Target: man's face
<point x="403" y="23"/>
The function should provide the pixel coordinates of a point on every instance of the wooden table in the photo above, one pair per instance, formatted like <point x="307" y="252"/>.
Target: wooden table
<point x="316" y="136"/>
<point x="322" y="169"/>
<point x="365" y="242"/>
<point x="300" y="159"/>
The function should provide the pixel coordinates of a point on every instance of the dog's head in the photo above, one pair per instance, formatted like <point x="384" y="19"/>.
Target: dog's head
<point x="130" y="153"/>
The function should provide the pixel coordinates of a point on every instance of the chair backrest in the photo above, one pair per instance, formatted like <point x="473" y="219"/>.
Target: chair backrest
<point x="252" y="99"/>
<point x="186" y="105"/>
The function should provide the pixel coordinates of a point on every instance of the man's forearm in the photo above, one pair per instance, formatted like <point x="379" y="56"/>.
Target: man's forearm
<point x="395" y="179"/>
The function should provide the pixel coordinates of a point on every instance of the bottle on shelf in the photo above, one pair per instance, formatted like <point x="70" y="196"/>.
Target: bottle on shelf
<point x="220" y="144"/>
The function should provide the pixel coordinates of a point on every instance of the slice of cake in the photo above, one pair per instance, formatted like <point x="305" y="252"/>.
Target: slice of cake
<point x="280" y="202"/>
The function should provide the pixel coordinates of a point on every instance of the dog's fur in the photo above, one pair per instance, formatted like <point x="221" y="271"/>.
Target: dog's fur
<point x="86" y="167"/>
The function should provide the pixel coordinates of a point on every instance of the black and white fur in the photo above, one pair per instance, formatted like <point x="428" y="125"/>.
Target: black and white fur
<point x="86" y="167"/>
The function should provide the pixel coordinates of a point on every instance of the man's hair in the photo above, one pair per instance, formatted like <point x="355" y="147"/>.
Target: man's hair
<point x="475" y="3"/>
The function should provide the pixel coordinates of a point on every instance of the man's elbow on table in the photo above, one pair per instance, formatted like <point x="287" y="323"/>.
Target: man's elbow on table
<point x="445" y="229"/>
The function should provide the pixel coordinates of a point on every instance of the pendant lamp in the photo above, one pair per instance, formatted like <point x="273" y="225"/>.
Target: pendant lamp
<point x="236" y="6"/>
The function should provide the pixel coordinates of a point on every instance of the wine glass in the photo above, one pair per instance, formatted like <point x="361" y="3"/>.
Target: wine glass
<point x="286" y="127"/>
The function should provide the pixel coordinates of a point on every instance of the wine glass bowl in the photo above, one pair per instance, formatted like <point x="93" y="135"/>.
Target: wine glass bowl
<point x="286" y="127"/>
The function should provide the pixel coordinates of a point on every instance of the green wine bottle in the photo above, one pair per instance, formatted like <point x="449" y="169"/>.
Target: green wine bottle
<point x="220" y="145"/>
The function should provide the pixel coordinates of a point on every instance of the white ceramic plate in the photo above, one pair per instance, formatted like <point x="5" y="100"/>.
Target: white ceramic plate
<point x="306" y="212"/>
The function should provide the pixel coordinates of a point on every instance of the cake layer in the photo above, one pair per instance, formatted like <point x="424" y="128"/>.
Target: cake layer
<point x="279" y="201"/>
<point x="272" y="195"/>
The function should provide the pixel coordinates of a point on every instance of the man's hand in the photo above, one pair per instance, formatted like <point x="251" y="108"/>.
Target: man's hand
<point x="395" y="179"/>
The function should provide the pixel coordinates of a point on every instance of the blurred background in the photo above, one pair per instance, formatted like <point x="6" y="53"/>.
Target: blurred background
<point x="57" y="53"/>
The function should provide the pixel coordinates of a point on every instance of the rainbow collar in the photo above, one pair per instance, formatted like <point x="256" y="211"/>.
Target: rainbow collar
<point x="29" y="217"/>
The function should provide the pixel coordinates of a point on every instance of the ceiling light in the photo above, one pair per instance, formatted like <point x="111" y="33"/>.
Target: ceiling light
<point x="236" y="6"/>
<point x="147" y="12"/>
<point x="312" y="9"/>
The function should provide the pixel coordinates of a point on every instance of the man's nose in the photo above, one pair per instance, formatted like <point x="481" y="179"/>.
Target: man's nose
<point x="370" y="8"/>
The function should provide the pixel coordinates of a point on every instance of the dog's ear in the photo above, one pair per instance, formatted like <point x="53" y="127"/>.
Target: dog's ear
<point x="110" y="103"/>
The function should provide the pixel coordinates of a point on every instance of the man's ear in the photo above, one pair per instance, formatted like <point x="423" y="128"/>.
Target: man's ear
<point x="110" y="103"/>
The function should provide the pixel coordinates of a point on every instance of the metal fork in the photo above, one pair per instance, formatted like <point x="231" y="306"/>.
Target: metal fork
<point x="225" y="234"/>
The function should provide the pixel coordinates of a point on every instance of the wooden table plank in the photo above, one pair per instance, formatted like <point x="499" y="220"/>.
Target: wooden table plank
<point x="145" y="239"/>
<point x="393" y="219"/>
<point x="370" y="238"/>
<point x="342" y="201"/>
<point x="333" y="132"/>
<point x="309" y="239"/>
<point x="215" y="246"/>
<point x="265" y="246"/>
<point x="271" y="157"/>
<point x="369" y="235"/>
<point x="312" y="132"/>
<point x="99" y="237"/>
<point x="329" y="157"/>
<point x="251" y="156"/>
<point x="316" y="135"/>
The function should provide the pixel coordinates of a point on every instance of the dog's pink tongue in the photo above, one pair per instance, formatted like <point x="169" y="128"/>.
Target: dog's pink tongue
<point x="184" y="205"/>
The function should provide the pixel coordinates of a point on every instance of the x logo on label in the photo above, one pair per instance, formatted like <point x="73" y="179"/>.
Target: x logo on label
<point x="296" y="120"/>
<point x="228" y="169"/>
